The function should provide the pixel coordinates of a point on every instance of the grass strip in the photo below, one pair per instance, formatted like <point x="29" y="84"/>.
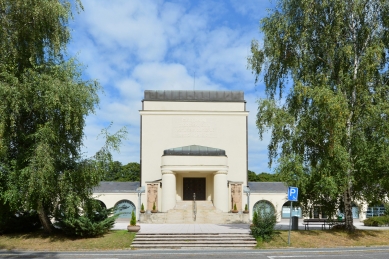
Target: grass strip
<point x="121" y="239"/>
<point x="39" y="241"/>
<point x="327" y="238"/>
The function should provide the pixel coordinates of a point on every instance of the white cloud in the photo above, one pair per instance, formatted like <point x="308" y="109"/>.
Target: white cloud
<point x="165" y="76"/>
<point x="132" y="46"/>
<point x="129" y="25"/>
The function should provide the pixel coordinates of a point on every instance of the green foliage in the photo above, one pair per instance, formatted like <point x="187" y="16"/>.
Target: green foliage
<point x="89" y="221"/>
<point x="255" y="216"/>
<point x="13" y="221"/>
<point x="142" y="208"/>
<point x="379" y="221"/>
<point x="154" y="206"/>
<point x="235" y="207"/>
<point x="325" y="70"/>
<point x="262" y="177"/>
<point x="130" y="172"/>
<point x="115" y="171"/>
<point x="246" y="207"/>
<point x="252" y="176"/>
<point x="264" y="222"/>
<point x="133" y="219"/>
<point x="44" y="104"/>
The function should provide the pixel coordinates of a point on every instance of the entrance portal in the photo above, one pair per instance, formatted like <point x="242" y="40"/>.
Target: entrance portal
<point x="194" y="185"/>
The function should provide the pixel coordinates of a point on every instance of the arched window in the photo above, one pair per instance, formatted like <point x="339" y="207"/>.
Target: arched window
<point x="264" y="206"/>
<point x="296" y="210"/>
<point x="124" y="208"/>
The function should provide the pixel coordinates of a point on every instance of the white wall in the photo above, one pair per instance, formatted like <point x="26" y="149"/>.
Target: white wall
<point x="168" y="125"/>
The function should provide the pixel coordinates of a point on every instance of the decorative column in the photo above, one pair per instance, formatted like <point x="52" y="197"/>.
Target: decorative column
<point x="168" y="190"/>
<point x="220" y="191"/>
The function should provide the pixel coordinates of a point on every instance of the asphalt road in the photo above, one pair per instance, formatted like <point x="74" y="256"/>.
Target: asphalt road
<point x="335" y="253"/>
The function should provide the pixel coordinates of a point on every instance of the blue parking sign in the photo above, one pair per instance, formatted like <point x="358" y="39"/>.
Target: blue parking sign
<point x="293" y="193"/>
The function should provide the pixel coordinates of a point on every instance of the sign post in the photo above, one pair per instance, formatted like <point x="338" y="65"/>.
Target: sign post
<point x="292" y="196"/>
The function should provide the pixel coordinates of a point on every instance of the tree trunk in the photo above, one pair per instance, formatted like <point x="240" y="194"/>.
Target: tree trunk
<point x="350" y="170"/>
<point x="44" y="219"/>
<point x="349" y="224"/>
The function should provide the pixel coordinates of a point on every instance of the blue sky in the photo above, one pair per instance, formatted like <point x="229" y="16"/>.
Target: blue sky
<point x="134" y="45"/>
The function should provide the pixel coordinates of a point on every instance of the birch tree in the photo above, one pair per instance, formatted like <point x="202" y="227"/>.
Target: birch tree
<point x="325" y="68"/>
<point x="43" y="106"/>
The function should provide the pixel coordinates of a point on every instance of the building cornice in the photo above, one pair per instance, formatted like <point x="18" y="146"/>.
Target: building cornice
<point x="227" y="113"/>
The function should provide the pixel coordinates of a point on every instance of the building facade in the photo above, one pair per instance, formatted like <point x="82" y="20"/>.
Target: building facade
<point x="193" y="143"/>
<point x="194" y="146"/>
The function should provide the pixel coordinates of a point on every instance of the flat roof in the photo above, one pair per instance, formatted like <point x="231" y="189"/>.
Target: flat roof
<point x="116" y="187"/>
<point x="194" y="150"/>
<point x="268" y="187"/>
<point x="194" y="96"/>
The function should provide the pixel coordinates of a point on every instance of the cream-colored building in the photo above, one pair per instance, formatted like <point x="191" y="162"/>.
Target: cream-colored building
<point x="193" y="145"/>
<point x="193" y="142"/>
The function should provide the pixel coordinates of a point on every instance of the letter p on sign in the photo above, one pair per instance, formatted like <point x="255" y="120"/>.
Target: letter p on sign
<point x="293" y="193"/>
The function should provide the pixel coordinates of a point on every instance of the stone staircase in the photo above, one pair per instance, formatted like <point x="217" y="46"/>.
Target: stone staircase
<point x="183" y="214"/>
<point x="193" y="241"/>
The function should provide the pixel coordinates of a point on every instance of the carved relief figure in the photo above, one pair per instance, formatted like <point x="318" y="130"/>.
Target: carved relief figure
<point x="152" y="196"/>
<point x="236" y="196"/>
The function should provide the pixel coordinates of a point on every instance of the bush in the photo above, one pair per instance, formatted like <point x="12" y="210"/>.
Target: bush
<point x="93" y="220"/>
<point x="263" y="224"/>
<point x="379" y="221"/>
<point x="13" y="221"/>
<point x="133" y="219"/>
<point x="255" y="216"/>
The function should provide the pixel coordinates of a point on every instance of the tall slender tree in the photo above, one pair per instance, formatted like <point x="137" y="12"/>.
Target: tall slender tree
<point x="43" y="106"/>
<point x="325" y="66"/>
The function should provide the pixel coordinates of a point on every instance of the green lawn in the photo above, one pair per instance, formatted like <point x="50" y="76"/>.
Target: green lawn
<point x="327" y="238"/>
<point x="121" y="239"/>
<point x="38" y="241"/>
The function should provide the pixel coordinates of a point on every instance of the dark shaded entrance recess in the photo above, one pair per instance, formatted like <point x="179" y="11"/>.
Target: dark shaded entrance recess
<point x="194" y="185"/>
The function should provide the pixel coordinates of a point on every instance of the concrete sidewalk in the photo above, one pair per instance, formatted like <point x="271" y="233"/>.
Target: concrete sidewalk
<point x="221" y="228"/>
<point x="189" y="228"/>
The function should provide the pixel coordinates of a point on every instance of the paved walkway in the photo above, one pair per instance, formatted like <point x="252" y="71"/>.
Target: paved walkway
<point x="188" y="228"/>
<point x="221" y="228"/>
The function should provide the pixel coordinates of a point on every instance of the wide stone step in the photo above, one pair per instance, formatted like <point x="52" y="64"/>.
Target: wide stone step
<point x="183" y="214"/>
<point x="191" y="246"/>
<point x="211" y="235"/>
<point x="195" y="239"/>
<point x="198" y="240"/>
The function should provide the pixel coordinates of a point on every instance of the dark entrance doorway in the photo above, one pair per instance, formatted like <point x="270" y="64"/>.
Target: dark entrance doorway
<point x="194" y="185"/>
